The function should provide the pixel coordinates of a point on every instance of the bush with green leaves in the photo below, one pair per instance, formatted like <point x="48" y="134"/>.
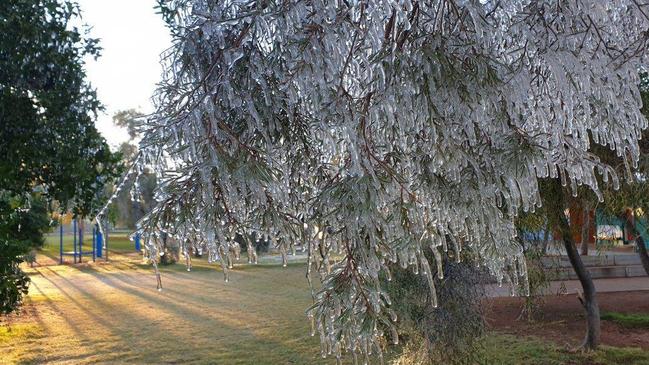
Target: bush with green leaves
<point x="48" y="140"/>
<point x="24" y="220"/>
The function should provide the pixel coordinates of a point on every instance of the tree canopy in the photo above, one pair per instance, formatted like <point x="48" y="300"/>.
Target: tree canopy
<point x="50" y="148"/>
<point x="47" y="108"/>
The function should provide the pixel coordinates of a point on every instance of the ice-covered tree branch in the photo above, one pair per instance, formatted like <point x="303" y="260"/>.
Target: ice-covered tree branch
<point x="368" y="132"/>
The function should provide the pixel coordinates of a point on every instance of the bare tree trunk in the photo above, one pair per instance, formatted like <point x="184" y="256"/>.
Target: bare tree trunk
<point x="546" y="239"/>
<point x="639" y="241"/>
<point x="585" y="229"/>
<point x="589" y="300"/>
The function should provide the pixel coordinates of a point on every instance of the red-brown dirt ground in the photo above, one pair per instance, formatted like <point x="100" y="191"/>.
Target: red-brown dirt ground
<point x="561" y="319"/>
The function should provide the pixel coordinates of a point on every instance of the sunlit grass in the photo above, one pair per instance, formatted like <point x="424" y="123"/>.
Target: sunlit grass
<point x="112" y="313"/>
<point x="118" y="242"/>
<point x="19" y="332"/>
<point x="105" y="313"/>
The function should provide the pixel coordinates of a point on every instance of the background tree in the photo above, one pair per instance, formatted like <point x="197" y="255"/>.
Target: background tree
<point x="129" y="208"/>
<point x="128" y="119"/>
<point x="371" y="131"/>
<point x="625" y="201"/>
<point x="48" y="140"/>
<point x="631" y="201"/>
<point x="554" y="216"/>
<point x="557" y="200"/>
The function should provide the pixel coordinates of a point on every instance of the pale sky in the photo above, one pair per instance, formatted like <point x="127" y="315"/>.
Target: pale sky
<point x="132" y="36"/>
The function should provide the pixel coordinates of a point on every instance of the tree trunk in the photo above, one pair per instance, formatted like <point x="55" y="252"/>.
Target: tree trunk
<point x="585" y="229"/>
<point x="589" y="300"/>
<point x="639" y="241"/>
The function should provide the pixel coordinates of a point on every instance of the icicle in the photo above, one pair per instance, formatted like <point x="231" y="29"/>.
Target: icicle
<point x="438" y="261"/>
<point x="429" y="278"/>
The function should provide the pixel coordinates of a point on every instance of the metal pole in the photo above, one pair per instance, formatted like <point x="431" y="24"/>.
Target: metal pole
<point x="61" y="241"/>
<point x="106" y="242"/>
<point x="80" y="228"/>
<point x="138" y="247"/>
<point x="74" y="240"/>
<point x="94" y="243"/>
<point x="100" y="243"/>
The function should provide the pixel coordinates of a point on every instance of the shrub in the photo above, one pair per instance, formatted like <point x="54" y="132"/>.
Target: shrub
<point x="449" y="333"/>
<point x="23" y="220"/>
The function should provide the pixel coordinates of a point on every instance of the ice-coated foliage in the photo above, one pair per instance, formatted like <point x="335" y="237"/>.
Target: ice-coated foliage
<point x="365" y="132"/>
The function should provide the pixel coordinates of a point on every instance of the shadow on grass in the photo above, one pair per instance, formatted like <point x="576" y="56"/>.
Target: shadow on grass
<point x="198" y="315"/>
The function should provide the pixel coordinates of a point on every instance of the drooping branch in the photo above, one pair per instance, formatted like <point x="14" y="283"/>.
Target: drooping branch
<point x="370" y="131"/>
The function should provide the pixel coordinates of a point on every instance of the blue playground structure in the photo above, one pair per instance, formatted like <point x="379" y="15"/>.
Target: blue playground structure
<point x="99" y="243"/>
<point x="137" y="239"/>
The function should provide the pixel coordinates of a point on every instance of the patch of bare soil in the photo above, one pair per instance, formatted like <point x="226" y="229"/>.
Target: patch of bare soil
<point x="562" y="319"/>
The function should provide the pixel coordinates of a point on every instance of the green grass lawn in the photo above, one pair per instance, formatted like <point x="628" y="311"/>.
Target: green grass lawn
<point x="112" y="313"/>
<point x="507" y="349"/>
<point x="117" y="243"/>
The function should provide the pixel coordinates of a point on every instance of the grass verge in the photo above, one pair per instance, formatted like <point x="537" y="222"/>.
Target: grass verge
<point x="629" y="320"/>
<point x="508" y="349"/>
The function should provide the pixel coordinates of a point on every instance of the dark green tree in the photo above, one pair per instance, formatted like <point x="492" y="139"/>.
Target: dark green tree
<point x="48" y="140"/>
<point x="22" y="224"/>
